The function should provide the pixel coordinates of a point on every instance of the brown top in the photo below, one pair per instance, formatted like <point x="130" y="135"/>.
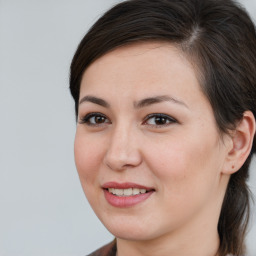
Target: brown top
<point x="110" y="250"/>
<point x="107" y="250"/>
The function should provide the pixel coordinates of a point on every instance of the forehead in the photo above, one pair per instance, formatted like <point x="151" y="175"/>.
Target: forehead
<point x="153" y="63"/>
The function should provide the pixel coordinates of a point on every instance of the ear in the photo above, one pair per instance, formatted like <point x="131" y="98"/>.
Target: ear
<point x="241" y="144"/>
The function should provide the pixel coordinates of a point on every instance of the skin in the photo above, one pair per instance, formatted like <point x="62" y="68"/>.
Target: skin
<point x="186" y="161"/>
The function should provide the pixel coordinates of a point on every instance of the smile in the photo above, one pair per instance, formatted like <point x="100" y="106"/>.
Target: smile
<point x="126" y="194"/>
<point x="127" y="191"/>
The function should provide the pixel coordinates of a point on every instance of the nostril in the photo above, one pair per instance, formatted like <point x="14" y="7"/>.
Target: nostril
<point x="122" y="160"/>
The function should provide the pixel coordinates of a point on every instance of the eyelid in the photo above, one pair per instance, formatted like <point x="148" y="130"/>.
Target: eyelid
<point x="85" y="119"/>
<point x="154" y="115"/>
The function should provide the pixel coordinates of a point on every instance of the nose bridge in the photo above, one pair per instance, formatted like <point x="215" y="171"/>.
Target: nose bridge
<point x="123" y="150"/>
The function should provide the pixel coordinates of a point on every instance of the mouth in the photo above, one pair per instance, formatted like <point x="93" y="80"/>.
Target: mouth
<point x="127" y="191"/>
<point x="126" y="194"/>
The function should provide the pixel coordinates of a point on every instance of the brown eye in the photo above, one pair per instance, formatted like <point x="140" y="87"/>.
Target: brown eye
<point x="98" y="119"/>
<point x="159" y="120"/>
<point x="95" y="119"/>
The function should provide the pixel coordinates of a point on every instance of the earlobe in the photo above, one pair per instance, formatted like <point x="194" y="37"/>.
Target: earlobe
<point x="242" y="140"/>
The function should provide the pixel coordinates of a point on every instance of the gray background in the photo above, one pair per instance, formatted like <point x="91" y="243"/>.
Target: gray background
<point x="43" y="210"/>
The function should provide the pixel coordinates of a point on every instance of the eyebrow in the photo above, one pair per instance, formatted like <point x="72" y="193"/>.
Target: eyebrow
<point x="95" y="100"/>
<point x="157" y="99"/>
<point x="140" y="104"/>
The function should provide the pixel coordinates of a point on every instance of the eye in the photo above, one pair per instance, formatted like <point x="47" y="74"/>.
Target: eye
<point x="159" y="120"/>
<point x="94" y="119"/>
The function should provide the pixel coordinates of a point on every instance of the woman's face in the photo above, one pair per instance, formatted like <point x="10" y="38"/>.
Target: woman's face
<point x="147" y="149"/>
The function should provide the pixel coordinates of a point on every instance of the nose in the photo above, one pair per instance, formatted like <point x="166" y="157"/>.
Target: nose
<point x="124" y="149"/>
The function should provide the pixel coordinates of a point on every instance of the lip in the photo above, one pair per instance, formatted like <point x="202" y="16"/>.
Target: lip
<point x="125" y="185"/>
<point x="125" y="201"/>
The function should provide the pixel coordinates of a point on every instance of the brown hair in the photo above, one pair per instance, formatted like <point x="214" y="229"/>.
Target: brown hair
<point x="220" y="39"/>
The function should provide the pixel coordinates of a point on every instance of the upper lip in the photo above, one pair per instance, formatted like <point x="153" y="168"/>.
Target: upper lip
<point x="125" y="185"/>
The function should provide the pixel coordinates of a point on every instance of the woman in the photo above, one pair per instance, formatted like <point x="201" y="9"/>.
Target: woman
<point x="165" y="98"/>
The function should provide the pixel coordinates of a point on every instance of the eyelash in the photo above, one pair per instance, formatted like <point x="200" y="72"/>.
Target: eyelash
<point x="86" y="119"/>
<point x="163" y="117"/>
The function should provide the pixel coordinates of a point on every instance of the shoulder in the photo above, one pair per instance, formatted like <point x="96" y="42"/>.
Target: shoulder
<point x="106" y="250"/>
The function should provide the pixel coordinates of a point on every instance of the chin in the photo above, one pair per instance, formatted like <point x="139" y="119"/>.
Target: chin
<point x="131" y="235"/>
<point x="127" y="230"/>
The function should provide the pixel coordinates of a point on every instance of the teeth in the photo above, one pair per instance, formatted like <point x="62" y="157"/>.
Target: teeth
<point x="111" y="190"/>
<point x="135" y="191"/>
<point x="127" y="191"/>
<point x="119" y="192"/>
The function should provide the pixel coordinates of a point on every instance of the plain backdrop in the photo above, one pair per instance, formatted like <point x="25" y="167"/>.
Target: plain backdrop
<point x="43" y="210"/>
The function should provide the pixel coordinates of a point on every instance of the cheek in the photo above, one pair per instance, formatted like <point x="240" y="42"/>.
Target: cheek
<point x="186" y="176"/>
<point x="87" y="158"/>
<point x="183" y="162"/>
<point x="167" y="157"/>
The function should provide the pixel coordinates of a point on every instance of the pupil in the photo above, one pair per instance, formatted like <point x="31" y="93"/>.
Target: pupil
<point x="160" y="120"/>
<point x="99" y="119"/>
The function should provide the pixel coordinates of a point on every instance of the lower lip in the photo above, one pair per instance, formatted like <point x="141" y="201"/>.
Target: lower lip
<point x="126" y="201"/>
